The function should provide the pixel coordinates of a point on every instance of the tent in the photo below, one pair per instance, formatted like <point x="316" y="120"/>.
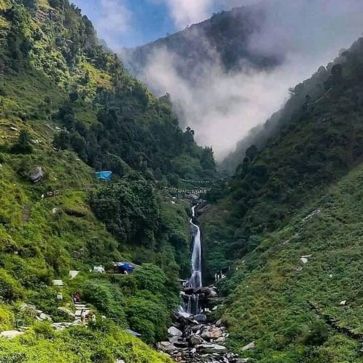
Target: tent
<point x="104" y="175"/>
<point x="124" y="267"/>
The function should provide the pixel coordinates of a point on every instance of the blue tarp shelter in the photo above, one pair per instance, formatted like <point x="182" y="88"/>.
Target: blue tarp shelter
<point x="123" y="267"/>
<point x="104" y="175"/>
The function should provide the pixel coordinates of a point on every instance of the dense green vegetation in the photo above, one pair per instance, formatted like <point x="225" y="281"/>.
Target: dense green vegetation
<point x="312" y="142"/>
<point x="289" y="222"/>
<point x="68" y="108"/>
<point x="271" y="296"/>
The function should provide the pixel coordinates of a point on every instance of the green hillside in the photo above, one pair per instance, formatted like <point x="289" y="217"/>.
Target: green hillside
<point x="296" y="195"/>
<point x="68" y="109"/>
<point x="294" y="310"/>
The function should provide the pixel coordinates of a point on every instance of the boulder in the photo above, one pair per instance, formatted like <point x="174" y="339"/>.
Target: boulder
<point x="174" y="332"/>
<point x="212" y="332"/>
<point x="211" y="348"/>
<point x="249" y="346"/>
<point x="44" y="317"/>
<point x="73" y="274"/>
<point x="196" y="340"/>
<point x="11" y="334"/>
<point x="166" y="347"/>
<point x="219" y="323"/>
<point x="36" y="174"/>
<point x="201" y="318"/>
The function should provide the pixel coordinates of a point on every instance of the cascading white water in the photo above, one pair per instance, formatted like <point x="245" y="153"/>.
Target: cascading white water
<point x="195" y="280"/>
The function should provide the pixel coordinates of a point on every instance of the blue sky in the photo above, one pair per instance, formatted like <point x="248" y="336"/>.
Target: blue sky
<point x="128" y="23"/>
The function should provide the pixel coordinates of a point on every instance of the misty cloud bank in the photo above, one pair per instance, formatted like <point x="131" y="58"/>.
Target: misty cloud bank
<point x="223" y="106"/>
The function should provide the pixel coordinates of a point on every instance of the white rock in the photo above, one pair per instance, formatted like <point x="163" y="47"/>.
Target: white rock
<point x="211" y="348"/>
<point x="174" y="332"/>
<point x="249" y="346"/>
<point x="58" y="283"/>
<point x="304" y="260"/>
<point x="343" y="303"/>
<point x="43" y="316"/>
<point x="99" y="269"/>
<point x="73" y="274"/>
<point x="11" y="334"/>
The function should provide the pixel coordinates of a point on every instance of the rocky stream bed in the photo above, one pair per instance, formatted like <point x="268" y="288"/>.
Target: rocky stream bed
<point x="197" y="338"/>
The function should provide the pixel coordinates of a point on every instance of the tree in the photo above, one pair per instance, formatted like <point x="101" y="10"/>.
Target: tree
<point x="61" y="140"/>
<point x="23" y="145"/>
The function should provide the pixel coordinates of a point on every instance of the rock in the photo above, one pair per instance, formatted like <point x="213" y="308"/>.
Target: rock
<point x="343" y="303"/>
<point x="37" y="174"/>
<point x="219" y="323"/>
<point x="196" y="340"/>
<point x="211" y="348"/>
<point x="173" y="331"/>
<point x="201" y="318"/>
<point x="212" y="333"/>
<point x="99" y="269"/>
<point x="44" y="316"/>
<point x="304" y="260"/>
<point x="119" y="361"/>
<point x="249" y="346"/>
<point x="196" y="328"/>
<point x="58" y="283"/>
<point x="181" y="344"/>
<point x="11" y="334"/>
<point x="221" y="340"/>
<point x="166" y="347"/>
<point x="73" y="274"/>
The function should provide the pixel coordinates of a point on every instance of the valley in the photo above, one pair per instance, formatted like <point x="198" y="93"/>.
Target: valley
<point x="122" y="240"/>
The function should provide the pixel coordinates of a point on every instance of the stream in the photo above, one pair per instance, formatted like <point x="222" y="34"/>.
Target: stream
<point x="195" y="336"/>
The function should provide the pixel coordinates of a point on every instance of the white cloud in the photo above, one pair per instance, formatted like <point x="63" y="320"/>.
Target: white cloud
<point x="223" y="107"/>
<point x="114" y="20"/>
<point x="187" y="12"/>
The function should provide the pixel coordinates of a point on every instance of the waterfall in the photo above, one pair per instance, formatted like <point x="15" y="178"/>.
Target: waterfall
<point x="191" y="306"/>
<point x="195" y="280"/>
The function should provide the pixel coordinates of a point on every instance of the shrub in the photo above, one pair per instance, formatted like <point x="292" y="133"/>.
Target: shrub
<point x="148" y="315"/>
<point x="318" y="334"/>
<point x="23" y="144"/>
<point x="10" y="289"/>
<point x="44" y="330"/>
<point x="107" y="298"/>
<point x="6" y="319"/>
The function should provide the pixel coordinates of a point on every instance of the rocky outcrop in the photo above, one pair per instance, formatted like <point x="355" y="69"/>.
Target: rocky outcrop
<point x="196" y="338"/>
<point x="36" y="174"/>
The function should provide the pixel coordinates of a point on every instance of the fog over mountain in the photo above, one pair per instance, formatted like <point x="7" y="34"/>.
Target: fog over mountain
<point x="233" y="86"/>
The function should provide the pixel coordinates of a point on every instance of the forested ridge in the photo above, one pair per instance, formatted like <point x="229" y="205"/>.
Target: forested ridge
<point x="69" y="109"/>
<point x="221" y="41"/>
<point x="289" y="221"/>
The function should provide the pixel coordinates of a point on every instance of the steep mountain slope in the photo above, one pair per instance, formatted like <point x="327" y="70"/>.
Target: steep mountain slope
<point x="68" y="109"/>
<point x="271" y="214"/>
<point x="222" y="40"/>
<point x="305" y="310"/>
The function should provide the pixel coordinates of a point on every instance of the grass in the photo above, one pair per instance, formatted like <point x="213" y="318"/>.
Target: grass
<point x="273" y="289"/>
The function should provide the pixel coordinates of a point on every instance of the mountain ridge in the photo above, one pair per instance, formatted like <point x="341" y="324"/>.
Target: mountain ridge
<point x="221" y="41"/>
